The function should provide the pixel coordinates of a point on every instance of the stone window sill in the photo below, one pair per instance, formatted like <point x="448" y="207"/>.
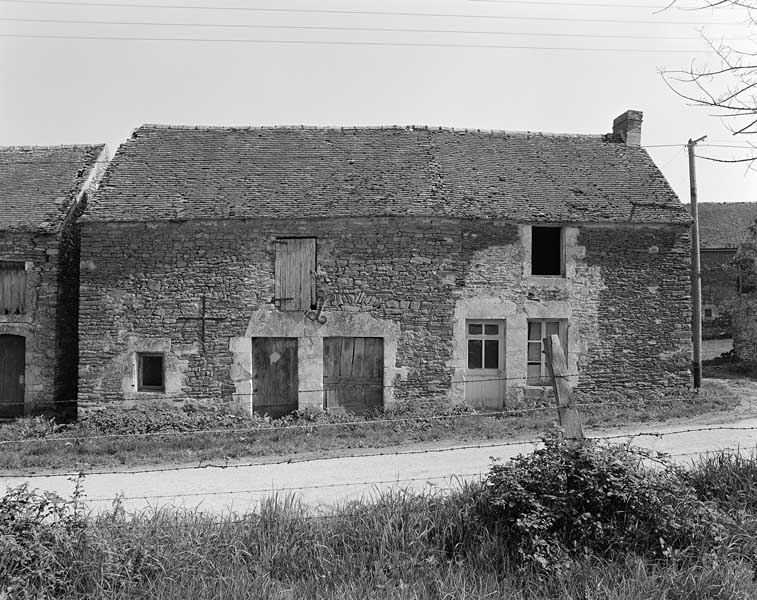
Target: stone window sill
<point x="557" y="281"/>
<point x="15" y="318"/>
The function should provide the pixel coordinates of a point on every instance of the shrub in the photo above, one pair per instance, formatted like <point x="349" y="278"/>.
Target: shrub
<point x="561" y="502"/>
<point x="41" y="535"/>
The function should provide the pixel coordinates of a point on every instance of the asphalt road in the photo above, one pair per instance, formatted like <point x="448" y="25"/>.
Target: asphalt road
<point x="325" y="482"/>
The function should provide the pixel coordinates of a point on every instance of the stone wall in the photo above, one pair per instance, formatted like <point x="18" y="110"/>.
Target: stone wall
<point x="719" y="291"/>
<point x="50" y="345"/>
<point x="413" y="281"/>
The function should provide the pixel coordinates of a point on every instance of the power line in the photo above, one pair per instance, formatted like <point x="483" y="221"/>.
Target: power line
<point x="364" y="13"/>
<point x="352" y="29"/>
<point x="567" y="4"/>
<point x="354" y="43"/>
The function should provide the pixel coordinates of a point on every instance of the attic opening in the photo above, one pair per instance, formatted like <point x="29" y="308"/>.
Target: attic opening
<point x="547" y="256"/>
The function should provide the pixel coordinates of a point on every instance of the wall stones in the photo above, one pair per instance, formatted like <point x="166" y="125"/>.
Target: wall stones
<point x="139" y="282"/>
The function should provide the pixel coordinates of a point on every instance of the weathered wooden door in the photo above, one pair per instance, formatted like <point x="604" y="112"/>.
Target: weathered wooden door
<point x="353" y="374"/>
<point x="274" y="381"/>
<point x="12" y="360"/>
<point x="485" y="372"/>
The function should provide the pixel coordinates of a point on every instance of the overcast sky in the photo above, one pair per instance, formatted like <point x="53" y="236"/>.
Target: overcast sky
<point x="560" y="66"/>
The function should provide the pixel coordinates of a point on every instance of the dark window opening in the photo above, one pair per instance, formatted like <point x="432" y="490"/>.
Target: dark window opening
<point x="150" y="373"/>
<point x="708" y="313"/>
<point x="12" y="288"/>
<point x="546" y="251"/>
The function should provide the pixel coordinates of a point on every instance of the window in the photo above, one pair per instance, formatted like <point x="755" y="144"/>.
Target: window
<point x="547" y="251"/>
<point x="294" y="287"/>
<point x="708" y="313"/>
<point x="485" y="344"/>
<point x="150" y="372"/>
<point x="537" y="371"/>
<point x="12" y="288"/>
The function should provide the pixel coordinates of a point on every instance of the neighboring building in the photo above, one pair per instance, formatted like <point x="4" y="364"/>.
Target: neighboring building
<point x="745" y="308"/>
<point x="42" y="192"/>
<point x="441" y="258"/>
<point x="722" y="227"/>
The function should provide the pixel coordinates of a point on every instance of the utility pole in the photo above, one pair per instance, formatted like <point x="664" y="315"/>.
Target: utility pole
<point x="696" y="270"/>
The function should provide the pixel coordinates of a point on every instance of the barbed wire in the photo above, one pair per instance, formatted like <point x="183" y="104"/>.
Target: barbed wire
<point x="290" y="488"/>
<point x="290" y="460"/>
<point x="630" y="436"/>
<point x="368" y="422"/>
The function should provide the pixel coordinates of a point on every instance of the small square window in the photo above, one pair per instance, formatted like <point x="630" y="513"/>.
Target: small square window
<point x="150" y="372"/>
<point x="547" y="251"/>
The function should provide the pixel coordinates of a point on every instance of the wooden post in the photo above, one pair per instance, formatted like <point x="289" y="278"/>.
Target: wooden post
<point x="696" y="271"/>
<point x="570" y="419"/>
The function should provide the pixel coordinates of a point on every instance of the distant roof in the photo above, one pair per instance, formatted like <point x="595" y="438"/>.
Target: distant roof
<point x="38" y="184"/>
<point x="723" y="225"/>
<point x="166" y="172"/>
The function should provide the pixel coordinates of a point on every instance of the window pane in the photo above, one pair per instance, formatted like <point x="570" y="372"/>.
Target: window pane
<point x="534" y="374"/>
<point x="491" y="354"/>
<point x="553" y="328"/>
<point x="474" y="354"/>
<point x="475" y="328"/>
<point x="491" y="329"/>
<point x="534" y="352"/>
<point x="534" y="330"/>
<point x="152" y="371"/>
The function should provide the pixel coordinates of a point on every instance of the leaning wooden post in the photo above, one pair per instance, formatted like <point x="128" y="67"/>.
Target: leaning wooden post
<point x="570" y="419"/>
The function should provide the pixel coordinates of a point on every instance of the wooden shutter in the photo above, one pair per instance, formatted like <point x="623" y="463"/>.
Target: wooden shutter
<point x="295" y="268"/>
<point x="12" y="288"/>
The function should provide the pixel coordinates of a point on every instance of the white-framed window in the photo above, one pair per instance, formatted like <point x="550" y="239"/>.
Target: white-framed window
<point x="709" y="312"/>
<point x="151" y="373"/>
<point x="12" y="288"/>
<point x="485" y="341"/>
<point x="537" y="371"/>
<point x="547" y="251"/>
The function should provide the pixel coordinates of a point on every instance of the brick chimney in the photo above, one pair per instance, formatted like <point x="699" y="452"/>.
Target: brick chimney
<point x="627" y="127"/>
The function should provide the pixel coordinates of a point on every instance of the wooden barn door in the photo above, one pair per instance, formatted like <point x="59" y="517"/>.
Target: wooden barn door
<point x="353" y="374"/>
<point x="12" y="361"/>
<point x="274" y="383"/>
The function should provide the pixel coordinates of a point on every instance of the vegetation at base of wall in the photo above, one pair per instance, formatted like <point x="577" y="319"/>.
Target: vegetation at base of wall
<point x="90" y="442"/>
<point x="560" y="523"/>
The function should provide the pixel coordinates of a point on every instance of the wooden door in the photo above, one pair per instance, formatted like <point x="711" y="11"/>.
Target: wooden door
<point x="12" y="362"/>
<point x="274" y="382"/>
<point x="353" y="374"/>
<point x="485" y="372"/>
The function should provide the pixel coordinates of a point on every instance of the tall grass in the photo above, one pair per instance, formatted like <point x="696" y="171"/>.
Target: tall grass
<point x="392" y="545"/>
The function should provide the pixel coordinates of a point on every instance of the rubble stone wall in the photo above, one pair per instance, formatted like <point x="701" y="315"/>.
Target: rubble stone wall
<point x="624" y="297"/>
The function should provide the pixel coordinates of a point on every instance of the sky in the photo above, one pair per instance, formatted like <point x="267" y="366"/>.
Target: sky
<point x="92" y="71"/>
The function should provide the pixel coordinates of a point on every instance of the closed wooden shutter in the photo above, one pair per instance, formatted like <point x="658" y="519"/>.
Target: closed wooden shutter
<point x="295" y="269"/>
<point x="12" y="288"/>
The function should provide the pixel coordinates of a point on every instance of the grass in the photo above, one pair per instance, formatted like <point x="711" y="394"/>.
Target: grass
<point x="397" y="545"/>
<point x="47" y="446"/>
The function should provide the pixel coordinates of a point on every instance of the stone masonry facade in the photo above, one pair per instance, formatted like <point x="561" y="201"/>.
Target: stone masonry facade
<point x="49" y="324"/>
<point x="413" y="281"/>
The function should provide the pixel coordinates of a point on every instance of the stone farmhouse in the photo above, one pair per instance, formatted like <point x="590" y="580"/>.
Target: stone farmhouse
<point x="355" y="269"/>
<point x="744" y="316"/>
<point x="42" y="192"/>
<point x="722" y="227"/>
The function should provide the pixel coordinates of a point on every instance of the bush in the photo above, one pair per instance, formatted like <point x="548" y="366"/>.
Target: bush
<point x="41" y="534"/>
<point x="561" y="502"/>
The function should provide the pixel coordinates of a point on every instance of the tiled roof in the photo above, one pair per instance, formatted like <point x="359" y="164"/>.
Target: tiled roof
<point x="724" y="224"/>
<point x="167" y="172"/>
<point x="38" y="184"/>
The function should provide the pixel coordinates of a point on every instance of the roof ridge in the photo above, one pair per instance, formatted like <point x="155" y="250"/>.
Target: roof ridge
<point x="51" y="147"/>
<point x="343" y="128"/>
